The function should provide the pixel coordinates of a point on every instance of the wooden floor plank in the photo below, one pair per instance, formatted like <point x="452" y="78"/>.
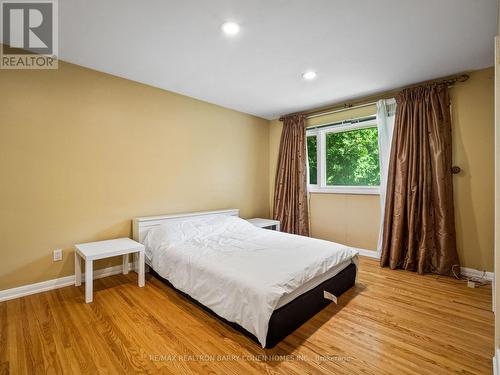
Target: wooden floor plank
<point x="391" y="322"/>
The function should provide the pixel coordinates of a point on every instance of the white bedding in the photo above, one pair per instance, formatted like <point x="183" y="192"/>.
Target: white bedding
<point x="239" y="271"/>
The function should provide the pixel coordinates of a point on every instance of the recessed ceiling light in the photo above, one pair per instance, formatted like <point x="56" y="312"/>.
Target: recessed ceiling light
<point x="309" y="75"/>
<point x="230" y="28"/>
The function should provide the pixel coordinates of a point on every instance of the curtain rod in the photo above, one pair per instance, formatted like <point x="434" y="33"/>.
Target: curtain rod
<point x="347" y="106"/>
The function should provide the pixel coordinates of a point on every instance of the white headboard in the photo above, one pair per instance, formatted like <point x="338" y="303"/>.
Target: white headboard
<point x="141" y="225"/>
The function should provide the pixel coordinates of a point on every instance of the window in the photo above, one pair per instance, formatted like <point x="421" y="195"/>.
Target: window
<point x="312" y="157"/>
<point x="344" y="157"/>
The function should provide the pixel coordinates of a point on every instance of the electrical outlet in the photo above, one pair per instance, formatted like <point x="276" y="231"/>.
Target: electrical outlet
<point x="57" y="255"/>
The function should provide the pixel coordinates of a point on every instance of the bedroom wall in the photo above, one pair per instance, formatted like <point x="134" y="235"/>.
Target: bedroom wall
<point x="354" y="219"/>
<point x="473" y="151"/>
<point x="82" y="153"/>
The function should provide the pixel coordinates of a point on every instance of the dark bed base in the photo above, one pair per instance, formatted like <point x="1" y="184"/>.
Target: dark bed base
<point x="288" y="318"/>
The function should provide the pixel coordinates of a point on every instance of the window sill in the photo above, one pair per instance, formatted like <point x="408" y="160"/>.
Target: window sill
<point x="362" y="190"/>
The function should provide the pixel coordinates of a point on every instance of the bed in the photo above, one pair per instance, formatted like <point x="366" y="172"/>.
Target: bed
<point x="263" y="283"/>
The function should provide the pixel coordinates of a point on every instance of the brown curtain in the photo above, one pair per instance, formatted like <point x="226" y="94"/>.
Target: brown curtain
<point x="419" y="223"/>
<point x="290" y="191"/>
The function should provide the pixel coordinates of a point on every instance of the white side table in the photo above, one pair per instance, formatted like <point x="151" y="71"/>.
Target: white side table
<point x="104" y="249"/>
<point x="265" y="223"/>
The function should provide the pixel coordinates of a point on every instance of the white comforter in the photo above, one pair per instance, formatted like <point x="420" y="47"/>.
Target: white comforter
<point x="236" y="269"/>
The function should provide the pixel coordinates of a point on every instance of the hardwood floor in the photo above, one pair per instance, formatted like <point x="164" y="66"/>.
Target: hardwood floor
<point x="391" y="322"/>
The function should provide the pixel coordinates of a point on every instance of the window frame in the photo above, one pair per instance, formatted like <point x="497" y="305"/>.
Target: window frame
<point x="320" y="133"/>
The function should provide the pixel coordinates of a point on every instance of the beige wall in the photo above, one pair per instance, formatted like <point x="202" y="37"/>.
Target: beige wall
<point x="346" y="218"/>
<point x="354" y="219"/>
<point x="473" y="151"/>
<point x="82" y="153"/>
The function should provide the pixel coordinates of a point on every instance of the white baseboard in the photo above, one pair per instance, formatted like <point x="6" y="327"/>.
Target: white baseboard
<point x="496" y="363"/>
<point x="61" y="282"/>
<point x="368" y="253"/>
<point x="471" y="272"/>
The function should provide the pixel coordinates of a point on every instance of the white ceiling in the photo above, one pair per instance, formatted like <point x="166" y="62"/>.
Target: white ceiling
<point x="358" y="47"/>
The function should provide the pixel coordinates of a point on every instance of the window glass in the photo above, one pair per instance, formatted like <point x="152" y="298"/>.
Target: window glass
<point x="351" y="157"/>
<point x="312" y="155"/>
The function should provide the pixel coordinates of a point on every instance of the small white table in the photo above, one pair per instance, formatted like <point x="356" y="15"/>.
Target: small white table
<point x="265" y="223"/>
<point x="104" y="249"/>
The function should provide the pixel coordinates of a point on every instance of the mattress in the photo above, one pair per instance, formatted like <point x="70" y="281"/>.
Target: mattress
<point x="311" y="284"/>
<point x="240" y="272"/>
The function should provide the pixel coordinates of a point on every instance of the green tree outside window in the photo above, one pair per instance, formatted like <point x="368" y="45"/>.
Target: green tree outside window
<point x="312" y="155"/>
<point x="352" y="158"/>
